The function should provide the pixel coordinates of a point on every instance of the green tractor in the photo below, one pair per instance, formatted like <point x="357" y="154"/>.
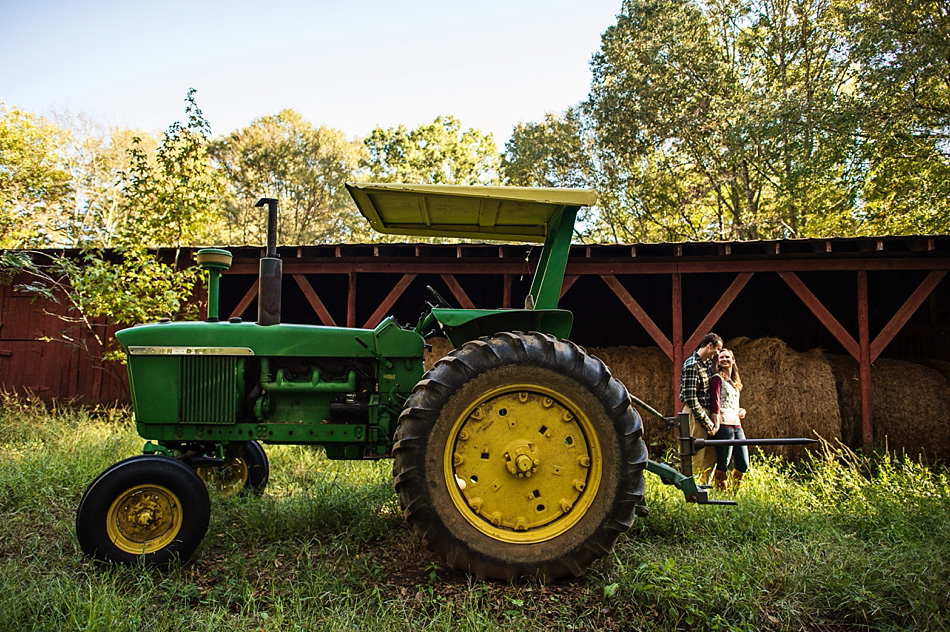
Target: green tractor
<point x="516" y="455"/>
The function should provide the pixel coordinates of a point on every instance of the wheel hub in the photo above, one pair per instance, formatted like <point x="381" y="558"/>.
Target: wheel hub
<point x="523" y="454"/>
<point x="144" y="519"/>
<point x="521" y="459"/>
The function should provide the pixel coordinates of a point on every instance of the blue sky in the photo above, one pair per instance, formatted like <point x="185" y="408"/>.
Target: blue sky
<point x="348" y="64"/>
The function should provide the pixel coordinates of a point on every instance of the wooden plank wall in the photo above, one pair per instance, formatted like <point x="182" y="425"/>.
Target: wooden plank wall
<point x="53" y="369"/>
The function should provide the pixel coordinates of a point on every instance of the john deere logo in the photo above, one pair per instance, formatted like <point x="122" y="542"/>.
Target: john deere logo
<point x="229" y="351"/>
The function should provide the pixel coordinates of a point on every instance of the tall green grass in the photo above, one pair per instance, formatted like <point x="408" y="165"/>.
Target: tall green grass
<point x="840" y="542"/>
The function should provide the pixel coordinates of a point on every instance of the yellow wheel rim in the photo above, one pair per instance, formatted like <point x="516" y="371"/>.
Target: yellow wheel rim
<point x="522" y="463"/>
<point x="228" y="479"/>
<point x="144" y="519"/>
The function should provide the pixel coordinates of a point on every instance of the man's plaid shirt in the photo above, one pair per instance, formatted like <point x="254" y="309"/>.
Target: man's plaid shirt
<point x="694" y="388"/>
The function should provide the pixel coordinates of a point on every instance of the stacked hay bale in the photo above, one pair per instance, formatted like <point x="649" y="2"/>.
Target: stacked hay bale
<point x="910" y="406"/>
<point x="436" y="349"/>
<point x="786" y="393"/>
<point x="940" y="366"/>
<point x="648" y="375"/>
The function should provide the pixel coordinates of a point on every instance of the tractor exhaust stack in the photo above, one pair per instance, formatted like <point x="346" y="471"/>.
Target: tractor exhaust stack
<point x="268" y="291"/>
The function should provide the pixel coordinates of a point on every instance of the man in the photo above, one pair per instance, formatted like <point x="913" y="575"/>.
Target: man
<point x="694" y="393"/>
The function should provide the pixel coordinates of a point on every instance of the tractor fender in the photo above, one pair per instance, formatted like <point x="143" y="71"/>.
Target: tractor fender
<point x="462" y="325"/>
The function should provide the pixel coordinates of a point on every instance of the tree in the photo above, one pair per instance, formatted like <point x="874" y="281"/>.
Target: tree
<point x="304" y="167"/>
<point x="551" y="153"/>
<point x="662" y="100"/>
<point x="171" y="199"/>
<point x="97" y="159"/>
<point x="772" y="118"/>
<point x="167" y="199"/>
<point x="34" y="183"/>
<point x="435" y="153"/>
<point x="793" y="56"/>
<point x="722" y="119"/>
<point x="902" y="51"/>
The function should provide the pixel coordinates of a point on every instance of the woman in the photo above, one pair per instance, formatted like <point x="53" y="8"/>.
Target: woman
<point x="724" y="388"/>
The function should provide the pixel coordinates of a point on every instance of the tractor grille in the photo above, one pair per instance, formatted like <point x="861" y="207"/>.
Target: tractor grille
<point x="210" y="389"/>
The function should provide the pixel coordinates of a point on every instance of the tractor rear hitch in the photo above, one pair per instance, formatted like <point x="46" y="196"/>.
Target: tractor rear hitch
<point x="689" y="446"/>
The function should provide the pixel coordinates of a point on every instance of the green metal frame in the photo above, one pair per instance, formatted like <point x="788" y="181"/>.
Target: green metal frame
<point x="549" y="275"/>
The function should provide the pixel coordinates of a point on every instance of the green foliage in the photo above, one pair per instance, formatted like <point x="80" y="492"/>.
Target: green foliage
<point x="97" y="160"/>
<point x="304" y="167"/>
<point x="900" y="50"/>
<point x="719" y="120"/>
<point x="34" y="184"/>
<point x="551" y="153"/>
<point x="435" y="153"/>
<point x="171" y="200"/>
<point x="87" y="285"/>
<point x="761" y="119"/>
<point x="166" y="200"/>
<point x="902" y="55"/>
<point x="12" y="263"/>
<point x="151" y="289"/>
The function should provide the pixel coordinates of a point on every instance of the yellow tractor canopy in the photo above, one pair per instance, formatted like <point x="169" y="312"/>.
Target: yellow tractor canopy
<point x="474" y="212"/>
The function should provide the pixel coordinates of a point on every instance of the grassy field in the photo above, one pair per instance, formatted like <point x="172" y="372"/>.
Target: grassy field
<point x="838" y="543"/>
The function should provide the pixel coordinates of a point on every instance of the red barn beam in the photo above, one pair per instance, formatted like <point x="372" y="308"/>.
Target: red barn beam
<point x="314" y="300"/>
<point x="907" y="310"/>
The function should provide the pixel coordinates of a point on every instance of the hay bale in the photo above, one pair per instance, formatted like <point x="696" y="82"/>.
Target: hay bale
<point x="648" y="375"/>
<point x="909" y="406"/>
<point x="786" y="393"/>
<point x="440" y="348"/>
<point x="940" y="366"/>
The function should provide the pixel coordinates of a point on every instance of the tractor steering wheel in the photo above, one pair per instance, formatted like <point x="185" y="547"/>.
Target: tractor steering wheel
<point x="438" y="298"/>
<point x="427" y="317"/>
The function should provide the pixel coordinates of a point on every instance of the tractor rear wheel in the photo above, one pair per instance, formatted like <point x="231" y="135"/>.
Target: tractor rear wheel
<point x="147" y="507"/>
<point x="518" y="455"/>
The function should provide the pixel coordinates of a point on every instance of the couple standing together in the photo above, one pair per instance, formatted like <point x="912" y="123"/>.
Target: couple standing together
<point x="713" y="406"/>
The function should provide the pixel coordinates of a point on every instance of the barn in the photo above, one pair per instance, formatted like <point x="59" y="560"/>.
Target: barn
<point x="847" y="338"/>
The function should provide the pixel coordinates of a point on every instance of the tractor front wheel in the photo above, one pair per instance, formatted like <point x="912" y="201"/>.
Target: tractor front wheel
<point x="519" y="456"/>
<point x="147" y="507"/>
<point x="245" y="471"/>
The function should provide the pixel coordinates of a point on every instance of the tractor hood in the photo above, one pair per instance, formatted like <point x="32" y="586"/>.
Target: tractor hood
<point x="474" y="212"/>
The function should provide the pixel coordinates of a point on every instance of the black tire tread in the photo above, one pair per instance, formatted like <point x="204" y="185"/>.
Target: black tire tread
<point x="464" y="364"/>
<point x="258" y="469"/>
<point x="171" y="473"/>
